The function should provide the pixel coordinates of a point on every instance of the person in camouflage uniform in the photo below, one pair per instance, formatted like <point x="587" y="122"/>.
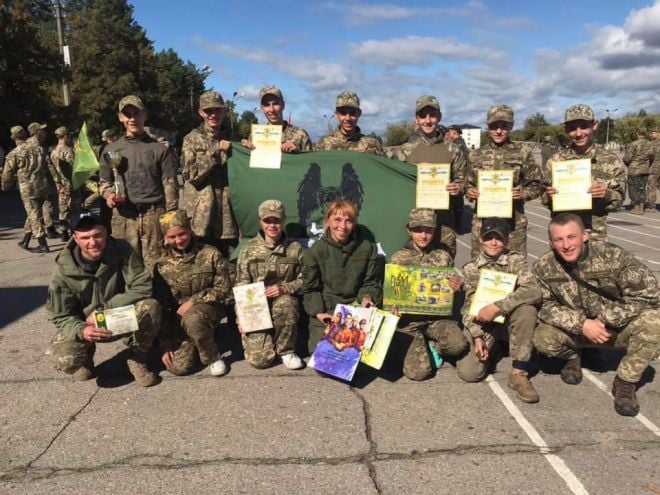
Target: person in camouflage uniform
<point x="547" y="150"/>
<point x="27" y="164"/>
<point x="348" y="135"/>
<point x="518" y="309"/>
<point x="191" y="283"/>
<point x="37" y="139"/>
<point x="597" y="294"/>
<point x="92" y="273"/>
<point x="277" y="262"/>
<point x="206" y="196"/>
<point x="62" y="158"/>
<point x="440" y="332"/>
<point x="294" y="139"/>
<point x="499" y="153"/>
<point x="638" y="158"/>
<point x="654" y="176"/>
<point x="608" y="187"/>
<point x="148" y="173"/>
<point x="455" y="135"/>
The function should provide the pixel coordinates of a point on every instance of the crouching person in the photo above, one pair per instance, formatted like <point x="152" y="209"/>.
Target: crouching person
<point x="518" y="309"/>
<point x="191" y="281"/>
<point x="95" y="271"/>
<point x="277" y="262"/>
<point x="440" y="332"/>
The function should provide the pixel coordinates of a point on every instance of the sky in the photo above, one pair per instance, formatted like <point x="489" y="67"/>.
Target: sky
<point x="535" y="56"/>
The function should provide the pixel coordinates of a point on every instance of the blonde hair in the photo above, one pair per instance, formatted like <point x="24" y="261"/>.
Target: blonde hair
<point x="340" y="207"/>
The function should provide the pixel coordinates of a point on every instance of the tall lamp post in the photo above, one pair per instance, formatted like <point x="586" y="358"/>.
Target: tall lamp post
<point x="66" y="91"/>
<point x="328" y="119"/>
<point x="607" y="130"/>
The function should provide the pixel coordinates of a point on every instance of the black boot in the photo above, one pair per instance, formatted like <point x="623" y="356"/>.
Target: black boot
<point x="51" y="232"/>
<point x="24" y="243"/>
<point x="625" y="399"/>
<point x="43" y="246"/>
<point x="571" y="373"/>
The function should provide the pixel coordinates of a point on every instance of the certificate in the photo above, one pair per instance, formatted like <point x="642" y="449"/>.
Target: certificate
<point x="572" y="179"/>
<point x="418" y="290"/>
<point x="252" y="307"/>
<point x="118" y="321"/>
<point x="267" y="141"/>
<point x="432" y="181"/>
<point x="495" y="194"/>
<point x="493" y="286"/>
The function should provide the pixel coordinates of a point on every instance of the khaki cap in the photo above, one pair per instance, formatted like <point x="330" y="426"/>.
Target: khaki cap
<point x="35" y="126"/>
<point x="270" y="90"/>
<point x="61" y="131"/>
<point x="579" y="112"/>
<point x="427" y="101"/>
<point x="16" y="130"/>
<point x="499" y="113"/>
<point x="211" y="99"/>
<point x="347" y="99"/>
<point x="421" y="217"/>
<point x="131" y="100"/>
<point x="271" y="208"/>
<point x="176" y="218"/>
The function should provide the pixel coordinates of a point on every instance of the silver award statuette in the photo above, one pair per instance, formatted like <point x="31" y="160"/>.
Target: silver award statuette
<point x="115" y="160"/>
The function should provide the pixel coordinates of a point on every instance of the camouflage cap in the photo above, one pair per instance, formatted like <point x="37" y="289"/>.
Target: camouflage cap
<point x="176" y="218"/>
<point x="499" y="113"/>
<point x="271" y="208"/>
<point x="108" y="133"/>
<point x="427" y="101"/>
<point x="456" y="128"/>
<point x="34" y="127"/>
<point x="421" y="217"/>
<point x="270" y="90"/>
<point x="131" y="100"/>
<point x="347" y="99"/>
<point x="547" y="139"/>
<point x="16" y="130"/>
<point x="579" y="112"/>
<point x="211" y="99"/>
<point x="499" y="226"/>
<point x="61" y="131"/>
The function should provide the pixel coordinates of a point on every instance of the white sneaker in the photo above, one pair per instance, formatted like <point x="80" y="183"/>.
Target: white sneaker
<point x="292" y="361"/>
<point x="218" y="367"/>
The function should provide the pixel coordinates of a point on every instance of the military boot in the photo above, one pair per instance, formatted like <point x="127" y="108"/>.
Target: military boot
<point x="24" y="243"/>
<point x="637" y="209"/>
<point x="51" y="232"/>
<point x="625" y="398"/>
<point x="43" y="246"/>
<point x="650" y="209"/>
<point x="571" y="373"/>
<point x="138" y="367"/>
<point x="86" y="371"/>
<point x="525" y="391"/>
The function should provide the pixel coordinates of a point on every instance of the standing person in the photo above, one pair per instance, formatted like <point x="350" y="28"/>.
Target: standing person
<point x="62" y="158"/>
<point x="107" y="136"/>
<point x="294" y="139"/>
<point x="191" y="283"/>
<point x="596" y="294"/>
<point x="27" y="164"/>
<point x="206" y="190"/>
<point x="348" y="135"/>
<point x="455" y="135"/>
<point x="499" y="153"/>
<point x="277" y="262"/>
<point x="608" y="176"/>
<point x="147" y="172"/>
<point x="340" y="268"/>
<point x="37" y="139"/>
<point x="95" y="272"/>
<point x="518" y="308"/>
<point x="547" y="150"/>
<point x="638" y="158"/>
<point x="654" y="176"/>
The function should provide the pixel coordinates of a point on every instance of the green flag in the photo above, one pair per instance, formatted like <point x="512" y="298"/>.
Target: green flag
<point x="85" y="163"/>
<point x="382" y="189"/>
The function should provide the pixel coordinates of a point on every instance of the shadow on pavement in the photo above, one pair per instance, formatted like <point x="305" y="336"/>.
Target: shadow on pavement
<point x="16" y="302"/>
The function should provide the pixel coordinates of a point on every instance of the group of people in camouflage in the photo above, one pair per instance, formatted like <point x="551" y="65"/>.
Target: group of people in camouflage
<point x="172" y="263"/>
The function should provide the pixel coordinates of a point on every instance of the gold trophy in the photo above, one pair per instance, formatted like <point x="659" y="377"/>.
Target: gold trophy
<point x="115" y="160"/>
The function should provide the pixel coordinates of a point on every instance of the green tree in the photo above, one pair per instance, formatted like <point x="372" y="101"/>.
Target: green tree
<point x="398" y="133"/>
<point x="535" y="127"/>
<point x="244" y="127"/>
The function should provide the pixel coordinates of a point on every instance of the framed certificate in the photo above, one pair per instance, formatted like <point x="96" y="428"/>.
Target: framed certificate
<point x="432" y="181"/>
<point x="572" y="179"/>
<point x="495" y="194"/>
<point x="252" y="307"/>
<point x="492" y="286"/>
<point x="267" y="141"/>
<point x="118" y="321"/>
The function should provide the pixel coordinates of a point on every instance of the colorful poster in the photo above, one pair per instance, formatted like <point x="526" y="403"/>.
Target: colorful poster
<point x="572" y="179"/>
<point x="418" y="290"/>
<point x="432" y="181"/>
<point x="495" y="194"/>
<point x="492" y="286"/>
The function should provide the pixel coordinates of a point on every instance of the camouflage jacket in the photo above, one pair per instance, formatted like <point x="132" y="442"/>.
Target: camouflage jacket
<point x="27" y="164"/>
<point x="51" y="174"/>
<point x="459" y="163"/>
<point x="655" y="163"/>
<point x="297" y="135"/>
<point x="403" y="151"/>
<point x="62" y="158"/>
<point x="355" y="142"/>
<point x="638" y="157"/>
<point x="272" y="265"/>
<point x="527" y="290"/>
<point x="614" y="287"/>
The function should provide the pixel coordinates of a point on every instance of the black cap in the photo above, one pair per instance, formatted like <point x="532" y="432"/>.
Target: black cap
<point x="456" y="128"/>
<point x="86" y="221"/>
<point x="499" y="226"/>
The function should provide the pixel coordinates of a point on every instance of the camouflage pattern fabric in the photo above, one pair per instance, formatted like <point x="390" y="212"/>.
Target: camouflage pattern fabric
<point x="654" y="177"/>
<point x="579" y="112"/>
<point x="638" y="157"/>
<point x="62" y="157"/>
<point x="637" y="188"/>
<point x="141" y="230"/>
<point x="355" y="142"/>
<point x="297" y="135"/>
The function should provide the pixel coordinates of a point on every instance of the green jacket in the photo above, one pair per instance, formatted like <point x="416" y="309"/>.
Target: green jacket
<point x="73" y="294"/>
<point x="340" y="274"/>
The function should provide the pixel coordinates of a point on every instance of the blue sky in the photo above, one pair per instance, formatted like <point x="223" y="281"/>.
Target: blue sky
<point x="534" y="56"/>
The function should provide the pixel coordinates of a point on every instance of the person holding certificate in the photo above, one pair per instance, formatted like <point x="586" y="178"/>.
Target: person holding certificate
<point x="608" y="175"/>
<point x="499" y="286"/>
<point x="499" y="153"/>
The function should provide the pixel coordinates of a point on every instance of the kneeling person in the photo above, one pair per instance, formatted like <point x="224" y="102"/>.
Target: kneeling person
<point x="277" y="262"/>
<point x="518" y="308"/>
<point x="191" y="281"/>
<point x="94" y="271"/>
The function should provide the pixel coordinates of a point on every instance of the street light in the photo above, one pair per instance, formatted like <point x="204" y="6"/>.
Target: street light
<point x="607" y="131"/>
<point x="328" y="119"/>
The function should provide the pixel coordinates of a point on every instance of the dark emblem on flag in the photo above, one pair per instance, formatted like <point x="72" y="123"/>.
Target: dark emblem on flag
<point x="312" y="194"/>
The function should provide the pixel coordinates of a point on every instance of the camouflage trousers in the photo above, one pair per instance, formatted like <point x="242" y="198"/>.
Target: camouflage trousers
<point x="141" y="230"/>
<point x="444" y="334"/>
<point x="195" y="339"/>
<point x="64" y="203"/>
<point x="637" y="188"/>
<point x="261" y="347"/>
<point x="518" y="330"/>
<point x="34" y="209"/>
<point x="69" y="354"/>
<point x="49" y="206"/>
<point x="651" y="189"/>
<point x="640" y="338"/>
<point x="517" y="237"/>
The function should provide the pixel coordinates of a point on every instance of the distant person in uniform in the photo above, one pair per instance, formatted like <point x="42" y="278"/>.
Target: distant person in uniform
<point x="638" y="157"/>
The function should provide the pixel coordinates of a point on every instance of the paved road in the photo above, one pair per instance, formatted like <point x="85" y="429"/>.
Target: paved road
<point x="279" y="431"/>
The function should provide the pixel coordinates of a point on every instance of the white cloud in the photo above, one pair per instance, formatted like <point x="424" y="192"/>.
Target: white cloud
<point x="360" y="13"/>
<point x="644" y="25"/>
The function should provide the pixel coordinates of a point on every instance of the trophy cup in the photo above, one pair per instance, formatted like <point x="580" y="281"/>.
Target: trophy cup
<point x="115" y="160"/>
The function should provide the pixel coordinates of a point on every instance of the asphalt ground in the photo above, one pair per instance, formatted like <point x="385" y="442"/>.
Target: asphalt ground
<point x="281" y="431"/>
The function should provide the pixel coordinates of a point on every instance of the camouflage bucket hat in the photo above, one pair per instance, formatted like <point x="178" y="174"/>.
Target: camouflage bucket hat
<point x="579" y="112"/>
<point x="34" y="127"/>
<point x="16" y="130"/>
<point x="347" y="99"/>
<point x="271" y="90"/>
<point x="176" y="218"/>
<point x="271" y="208"/>
<point x="211" y="99"/>
<point x="61" y="131"/>
<point x="427" y="101"/>
<point x="421" y="217"/>
<point x="499" y="113"/>
<point x="498" y="226"/>
<point x="131" y="100"/>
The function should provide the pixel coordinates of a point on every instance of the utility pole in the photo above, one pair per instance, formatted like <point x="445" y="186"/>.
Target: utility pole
<point x="607" y="131"/>
<point x="60" y="37"/>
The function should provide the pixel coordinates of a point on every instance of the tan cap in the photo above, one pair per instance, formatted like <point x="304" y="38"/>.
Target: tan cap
<point x="16" y="130"/>
<point x="211" y="99"/>
<point x="34" y="127"/>
<point x="270" y="90"/>
<point x="107" y="133"/>
<point x="61" y="131"/>
<point x="347" y="99"/>
<point x="176" y="218"/>
<point x="579" y="112"/>
<point x="499" y="113"/>
<point x="421" y="217"/>
<point x="271" y="208"/>
<point x="427" y="101"/>
<point x="131" y="100"/>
